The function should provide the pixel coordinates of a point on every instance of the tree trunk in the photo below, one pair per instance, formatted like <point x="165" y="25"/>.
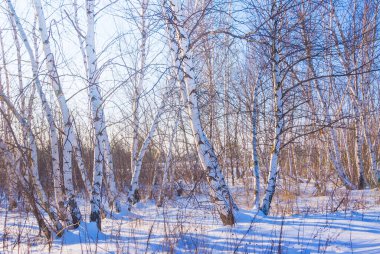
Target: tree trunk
<point x="279" y="125"/>
<point x="69" y="135"/>
<point x="133" y="196"/>
<point x="180" y="46"/>
<point x="33" y="168"/>
<point x="333" y="149"/>
<point x="52" y="127"/>
<point x="255" y="156"/>
<point x="96" y="113"/>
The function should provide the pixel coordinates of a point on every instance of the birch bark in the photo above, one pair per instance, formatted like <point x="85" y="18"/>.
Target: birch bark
<point x="47" y="110"/>
<point x="33" y="169"/>
<point x="255" y="156"/>
<point x="52" y="127"/>
<point x="96" y="113"/>
<point x="26" y="188"/>
<point x="347" y="58"/>
<point x="333" y="149"/>
<point x="102" y="149"/>
<point x="133" y="196"/>
<point x="69" y="135"/>
<point x="110" y="176"/>
<point x="279" y="122"/>
<point x="180" y="46"/>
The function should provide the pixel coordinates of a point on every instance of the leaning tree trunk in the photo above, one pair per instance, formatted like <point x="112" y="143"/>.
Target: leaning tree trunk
<point x="279" y="125"/>
<point x="180" y="46"/>
<point x="47" y="110"/>
<point x="133" y="195"/>
<point x="69" y="135"/>
<point x="76" y="145"/>
<point x="26" y="189"/>
<point x="372" y="150"/>
<point x="52" y="127"/>
<point x="333" y="149"/>
<point x="33" y="168"/>
<point x="354" y="95"/>
<point x="139" y="81"/>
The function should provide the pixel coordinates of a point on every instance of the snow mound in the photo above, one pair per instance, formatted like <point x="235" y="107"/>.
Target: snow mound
<point x="85" y="233"/>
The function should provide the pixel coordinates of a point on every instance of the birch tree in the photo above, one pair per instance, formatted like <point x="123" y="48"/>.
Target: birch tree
<point x="138" y="84"/>
<point x="180" y="43"/>
<point x="102" y="152"/>
<point x="47" y="109"/>
<point x="334" y="152"/>
<point x="133" y="195"/>
<point x="69" y="135"/>
<point x="278" y="108"/>
<point x="255" y="156"/>
<point x="49" y="116"/>
<point x="352" y="81"/>
<point x="40" y="197"/>
<point x="11" y="161"/>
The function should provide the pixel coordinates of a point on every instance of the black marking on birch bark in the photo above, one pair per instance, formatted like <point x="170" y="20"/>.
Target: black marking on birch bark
<point x="75" y="212"/>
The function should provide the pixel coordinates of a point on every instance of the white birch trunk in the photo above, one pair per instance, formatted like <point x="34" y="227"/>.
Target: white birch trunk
<point x="33" y="169"/>
<point x="81" y="39"/>
<point x="354" y="96"/>
<point x="52" y="127"/>
<point x="362" y="182"/>
<point x="96" y="113"/>
<point x="333" y="149"/>
<point x="334" y="152"/>
<point x="372" y="150"/>
<point x="76" y="145"/>
<point x="79" y="159"/>
<point x="133" y="195"/>
<point x="138" y="86"/>
<point x="347" y="59"/>
<point x="279" y="125"/>
<point x="46" y="107"/>
<point x="135" y="130"/>
<point x="69" y="135"/>
<point x="255" y="156"/>
<point x="102" y="150"/>
<point x="27" y="189"/>
<point x="90" y="67"/>
<point x="180" y="45"/>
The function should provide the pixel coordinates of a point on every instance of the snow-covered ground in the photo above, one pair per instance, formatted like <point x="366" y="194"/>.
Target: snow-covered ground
<point x="342" y="222"/>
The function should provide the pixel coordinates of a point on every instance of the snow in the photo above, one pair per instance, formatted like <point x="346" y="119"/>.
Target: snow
<point x="190" y="224"/>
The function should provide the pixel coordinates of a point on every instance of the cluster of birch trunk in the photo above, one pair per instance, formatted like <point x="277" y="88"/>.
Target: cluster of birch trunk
<point x="219" y="92"/>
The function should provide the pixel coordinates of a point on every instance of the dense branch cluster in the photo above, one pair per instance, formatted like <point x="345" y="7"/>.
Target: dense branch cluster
<point x="148" y="99"/>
